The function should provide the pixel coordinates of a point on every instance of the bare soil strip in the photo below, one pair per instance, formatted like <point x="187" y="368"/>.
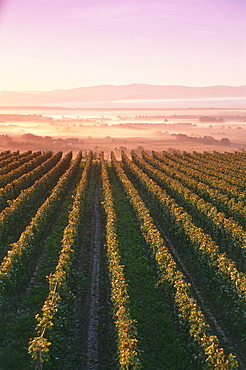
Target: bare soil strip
<point x="93" y="327"/>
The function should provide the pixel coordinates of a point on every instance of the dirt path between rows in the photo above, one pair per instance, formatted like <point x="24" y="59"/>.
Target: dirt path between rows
<point x="94" y="294"/>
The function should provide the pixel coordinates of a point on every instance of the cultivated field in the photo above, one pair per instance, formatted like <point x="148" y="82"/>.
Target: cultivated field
<point x="122" y="262"/>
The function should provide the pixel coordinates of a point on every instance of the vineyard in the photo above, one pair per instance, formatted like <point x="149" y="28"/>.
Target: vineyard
<point x="138" y="263"/>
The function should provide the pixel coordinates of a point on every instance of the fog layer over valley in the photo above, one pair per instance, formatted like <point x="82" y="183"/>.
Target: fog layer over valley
<point x="121" y="129"/>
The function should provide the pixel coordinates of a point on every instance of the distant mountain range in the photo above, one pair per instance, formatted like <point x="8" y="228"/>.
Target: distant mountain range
<point x="107" y="93"/>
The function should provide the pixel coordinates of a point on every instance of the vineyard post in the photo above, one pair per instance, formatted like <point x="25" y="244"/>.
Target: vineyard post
<point x="39" y="361"/>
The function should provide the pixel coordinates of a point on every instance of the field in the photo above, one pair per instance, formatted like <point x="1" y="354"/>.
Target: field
<point x="122" y="261"/>
<point x="61" y="129"/>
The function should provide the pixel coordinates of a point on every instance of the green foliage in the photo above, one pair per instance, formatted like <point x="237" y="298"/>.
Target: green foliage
<point x="57" y="280"/>
<point x="187" y="307"/>
<point x="127" y="336"/>
<point x="19" y="256"/>
<point x="199" y="208"/>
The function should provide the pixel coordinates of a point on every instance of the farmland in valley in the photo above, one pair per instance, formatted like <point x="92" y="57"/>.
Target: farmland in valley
<point x="123" y="263"/>
<point x="66" y="129"/>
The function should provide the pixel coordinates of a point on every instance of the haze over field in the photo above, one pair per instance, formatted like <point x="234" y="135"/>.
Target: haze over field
<point x="122" y="54"/>
<point x="106" y="130"/>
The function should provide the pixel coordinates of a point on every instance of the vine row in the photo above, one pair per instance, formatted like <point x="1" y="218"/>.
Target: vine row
<point x="14" y="217"/>
<point x="229" y="233"/>
<point x="223" y="274"/>
<point x="188" y="311"/>
<point x="39" y="346"/>
<point x="126" y="330"/>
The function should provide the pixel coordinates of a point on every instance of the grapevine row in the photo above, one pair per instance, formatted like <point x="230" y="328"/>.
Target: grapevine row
<point x="14" y="162"/>
<point x="236" y="159"/>
<point x="223" y="201"/>
<point x="213" y="181"/>
<point x="126" y="332"/>
<point x="216" y="167"/>
<point x="17" y="262"/>
<point x="231" y="234"/>
<point x="12" y="218"/>
<point x="23" y="177"/>
<point x="189" y="312"/>
<point x="231" y="282"/>
<point x="38" y="346"/>
<point x="5" y="154"/>
<point x="9" y="157"/>
<point x="23" y="168"/>
<point x="13" y="167"/>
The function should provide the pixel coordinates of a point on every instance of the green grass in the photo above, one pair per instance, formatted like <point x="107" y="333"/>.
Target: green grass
<point x="18" y="325"/>
<point x="159" y="343"/>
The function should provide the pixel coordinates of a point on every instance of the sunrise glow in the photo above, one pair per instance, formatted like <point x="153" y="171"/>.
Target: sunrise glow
<point x="47" y="45"/>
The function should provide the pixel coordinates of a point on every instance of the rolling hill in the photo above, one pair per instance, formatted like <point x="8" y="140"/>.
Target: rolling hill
<point x="106" y="93"/>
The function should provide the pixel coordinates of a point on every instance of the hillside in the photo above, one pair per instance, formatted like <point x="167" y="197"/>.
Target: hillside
<point x="115" y="93"/>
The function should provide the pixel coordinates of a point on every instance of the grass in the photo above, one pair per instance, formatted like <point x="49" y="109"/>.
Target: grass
<point x="159" y="342"/>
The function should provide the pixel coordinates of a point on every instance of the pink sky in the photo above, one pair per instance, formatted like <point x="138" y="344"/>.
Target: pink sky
<point x="50" y="44"/>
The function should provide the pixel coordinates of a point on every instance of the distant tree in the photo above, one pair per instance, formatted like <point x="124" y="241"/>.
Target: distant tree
<point x="5" y="137"/>
<point x="32" y="137"/>
<point x="171" y="150"/>
<point x="139" y="149"/>
<point x="211" y="119"/>
<point x="225" y="141"/>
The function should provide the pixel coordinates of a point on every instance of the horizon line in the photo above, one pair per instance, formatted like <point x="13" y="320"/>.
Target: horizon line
<point x="120" y="85"/>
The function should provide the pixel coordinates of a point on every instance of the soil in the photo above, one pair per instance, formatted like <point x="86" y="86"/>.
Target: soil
<point x="93" y="328"/>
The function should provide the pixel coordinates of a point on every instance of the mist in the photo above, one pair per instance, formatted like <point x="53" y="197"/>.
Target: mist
<point x="106" y="130"/>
